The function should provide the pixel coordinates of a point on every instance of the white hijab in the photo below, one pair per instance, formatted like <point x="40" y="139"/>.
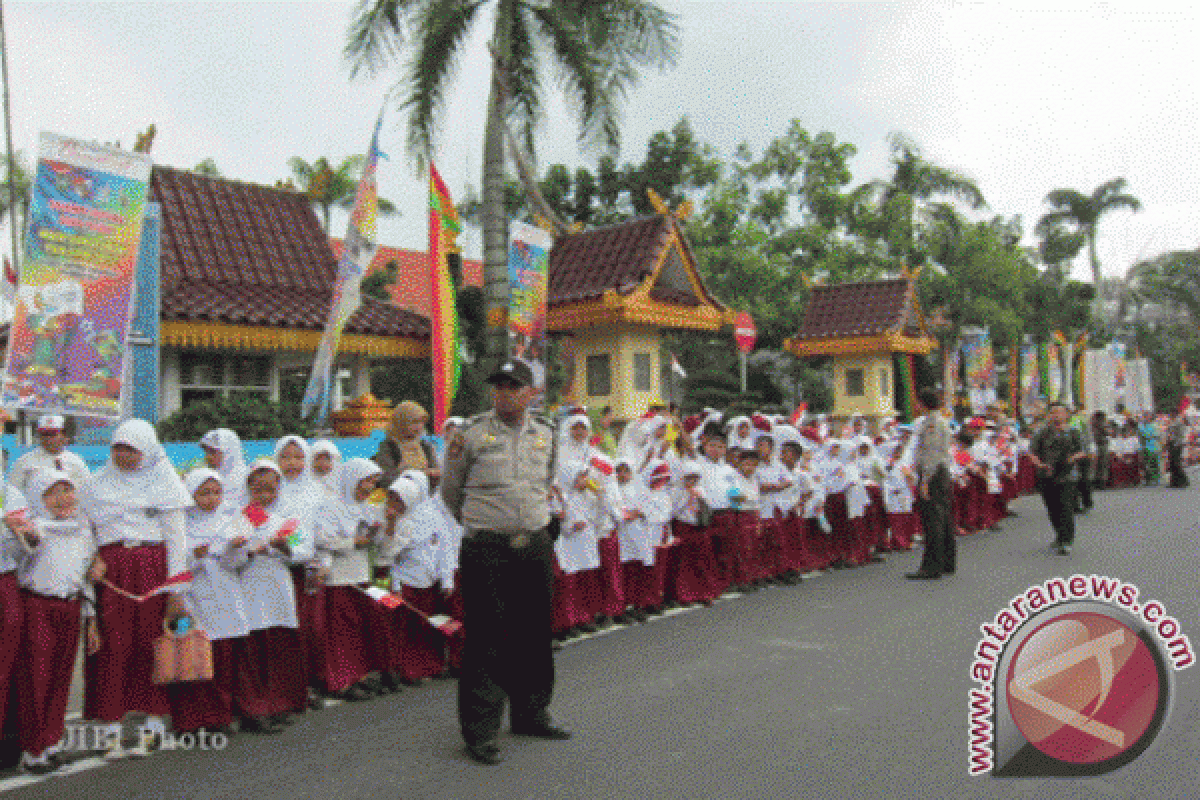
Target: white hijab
<point x="300" y="494"/>
<point x="205" y="525"/>
<point x="233" y="459"/>
<point x="153" y="485"/>
<point x="345" y="510"/>
<point x="330" y="481"/>
<point x="39" y="483"/>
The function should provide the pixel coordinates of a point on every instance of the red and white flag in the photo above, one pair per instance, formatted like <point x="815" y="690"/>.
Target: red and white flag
<point x="602" y="465"/>
<point x="676" y="367"/>
<point x="176" y="582"/>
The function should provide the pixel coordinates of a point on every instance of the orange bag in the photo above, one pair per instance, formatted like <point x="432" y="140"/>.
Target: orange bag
<point x="182" y="659"/>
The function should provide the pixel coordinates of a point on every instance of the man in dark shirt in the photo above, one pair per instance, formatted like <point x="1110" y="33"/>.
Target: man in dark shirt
<point x="1057" y="451"/>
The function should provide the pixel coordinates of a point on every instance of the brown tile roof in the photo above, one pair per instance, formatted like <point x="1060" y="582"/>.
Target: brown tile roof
<point x="584" y="265"/>
<point x="858" y="309"/>
<point x="411" y="289"/>
<point x="244" y="254"/>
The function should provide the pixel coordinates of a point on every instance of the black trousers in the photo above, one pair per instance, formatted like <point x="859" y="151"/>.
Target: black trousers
<point x="508" y="653"/>
<point x="1179" y="479"/>
<point x="1084" y="493"/>
<point x="1059" y="497"/>
<point x="941" y="549"/>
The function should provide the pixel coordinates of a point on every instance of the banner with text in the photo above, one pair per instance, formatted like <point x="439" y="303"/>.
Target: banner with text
<point x="75" y="291"/>
<point x="528" y="276"/>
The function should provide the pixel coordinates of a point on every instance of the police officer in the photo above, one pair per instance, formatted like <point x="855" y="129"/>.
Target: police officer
<point x="931" y="458"/>
<point x="496" y="480"/>
<point x="1057" y="450"/>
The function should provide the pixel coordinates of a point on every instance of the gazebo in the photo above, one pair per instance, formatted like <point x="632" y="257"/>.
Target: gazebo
<point x="612" y="291"/>
<point x="862" y="326"/>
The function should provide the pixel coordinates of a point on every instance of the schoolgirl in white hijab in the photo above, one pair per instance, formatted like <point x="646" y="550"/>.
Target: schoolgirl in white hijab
<point x="299" y="492"/>
<point x="346" y="524"/>
<point x="215" y="602"/>
<point x="576" y="548"/>
<point x="574" y="440"/>
<point x="324" y="464"/>
<point x="444" y="532"/>
<point x="223" y="453"/>
<point x="137" y="503"/>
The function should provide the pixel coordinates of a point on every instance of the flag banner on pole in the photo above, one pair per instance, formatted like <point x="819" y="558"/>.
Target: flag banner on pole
<point x="358" y="250"/>
<point x="677" y="368"/>
<point x="1054" y="373"/>
<point x="444" y="227"/>
<point x="528" y="276"/>
<point x="1030" y="378"/>
<point x="980" y="362"/>
<point x="74" y="298"/>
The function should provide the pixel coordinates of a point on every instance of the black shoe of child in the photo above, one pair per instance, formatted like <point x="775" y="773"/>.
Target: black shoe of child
<point x="261" y="725"/>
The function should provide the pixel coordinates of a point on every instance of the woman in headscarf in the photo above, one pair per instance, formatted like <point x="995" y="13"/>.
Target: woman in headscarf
<point x="299" y="496"/>
<point x="324" y="464"/>
<point x="216" y="604"/>
<point x="403" y="448"/>
<point x="277" y="540"/>
<point x="223" y="454"/>
<point x="137" y="503"/>
<point x="346" y="528"/>
<point x="576" y="582"/>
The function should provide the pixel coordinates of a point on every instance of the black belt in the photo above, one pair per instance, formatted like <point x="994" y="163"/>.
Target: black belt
<point x="516" y="539"/>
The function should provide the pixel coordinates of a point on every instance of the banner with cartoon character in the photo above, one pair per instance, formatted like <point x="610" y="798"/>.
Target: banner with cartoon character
<point x="66" y="347"/>
<point x="528" y="271"/>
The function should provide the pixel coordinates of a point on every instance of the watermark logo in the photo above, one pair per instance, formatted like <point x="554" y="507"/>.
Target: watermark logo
<point x="83" y="737"/>
<point x="1076" y="679"/>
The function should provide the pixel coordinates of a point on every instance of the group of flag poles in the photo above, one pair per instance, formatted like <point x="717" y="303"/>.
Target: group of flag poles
<point x="361" y="244"/>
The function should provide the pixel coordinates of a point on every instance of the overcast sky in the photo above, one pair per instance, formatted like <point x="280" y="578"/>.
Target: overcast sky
<point x="1022" y="97"/>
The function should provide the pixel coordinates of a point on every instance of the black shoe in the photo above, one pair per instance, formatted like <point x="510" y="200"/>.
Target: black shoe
<point x="542" y="730"/>
<point x="354" y="694"/>
<point x="877" y="559"/>
<point x="281" y="719"/>
<point x="260" y="725"/>
<point x="556" y="645"/>
<point x="588" y="627"/>
<point x="485" y="753"/>
<point x="923" y="576"/>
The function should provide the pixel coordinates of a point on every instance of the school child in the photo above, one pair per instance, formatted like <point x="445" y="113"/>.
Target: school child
<point x="412" y="554"/>
<point x="577" y="585"/>
<point x="137" y="504"/>
<point x="300" y="493"/>
<point x="602" y="478"/>
<point x="744" y="569"/>
<point x="13" y="550"/>
<point x="56" y="587"/>
<point x="641" y="533"/>
<point x="346" y="527"/>
<point x="694" y="575"/>
<point x="51" y="453"/>
<point x="223" y="453"/>
<point x="774" y="481"/>
<point x="871" y="471"/>
<point x="717" y="483"/>
<point x="899" y="499"/>
<point x="794" y="559"/>
<point x="215" y="603"/>
<point x="274" y="654"/>
<point x="845" y="502"/>
<point x="325" y="462"/>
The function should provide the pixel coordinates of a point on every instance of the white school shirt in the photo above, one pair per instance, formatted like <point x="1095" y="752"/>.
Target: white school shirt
<point x="412" y="549"/>
<point x="12" y="552"/>
<point x="685" y="507"/>
<point x="38" y="458"/>
<point x="268" y="594"/>
<point x="57" y="566"/>
<point x="215" y="599"/>
<point x="748" y="488"/>
<point x="638" y="539"/>
<point x="716" y="480"/>
<point x="773" y="472"/>
<point x="335" y="534"/>
<point x="898" y="497"/>
<point x="577" y="551"/>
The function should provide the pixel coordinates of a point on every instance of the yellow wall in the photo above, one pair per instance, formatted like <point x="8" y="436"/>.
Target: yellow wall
<point x="873" y="402"/>
<point x="620" y="344"/>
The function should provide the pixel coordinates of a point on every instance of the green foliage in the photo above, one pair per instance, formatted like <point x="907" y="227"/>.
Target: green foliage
<point x="376" y="284"/>
<point x="247" y="414"/>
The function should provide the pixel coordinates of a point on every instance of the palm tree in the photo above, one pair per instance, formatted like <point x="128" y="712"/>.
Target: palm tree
<point x="328" y="186"/>
<point x="22" y="185"/>
<point x="596" y="46"/>
<point x="1076" y="215"/>
<point x="904" y="200"/>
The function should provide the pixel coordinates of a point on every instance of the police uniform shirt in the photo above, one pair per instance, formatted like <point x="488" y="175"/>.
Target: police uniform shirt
<point x="497" y="478"/>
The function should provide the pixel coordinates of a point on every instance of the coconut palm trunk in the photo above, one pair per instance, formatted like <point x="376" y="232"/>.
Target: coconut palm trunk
<point x="495" y="229"/>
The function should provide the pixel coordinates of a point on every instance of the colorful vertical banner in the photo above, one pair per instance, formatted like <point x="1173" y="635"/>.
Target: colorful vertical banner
<point x="358" y="250"/>
<point x="1053" y="373"/>
<point x="980" y="362"/>
<point x="444" y="227"/>
<point x="528" y="277"/>
<point x="1080" y="371"/>
<point x="75" y="293"/>
<point x="1030" y="378"/>
<point x="950" y="375"/>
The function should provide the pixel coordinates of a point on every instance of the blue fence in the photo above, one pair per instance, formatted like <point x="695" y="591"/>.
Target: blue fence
<point x="185" y="456"/>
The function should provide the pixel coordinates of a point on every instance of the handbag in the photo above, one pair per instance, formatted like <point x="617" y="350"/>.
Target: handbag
<point x="182" y="658"/>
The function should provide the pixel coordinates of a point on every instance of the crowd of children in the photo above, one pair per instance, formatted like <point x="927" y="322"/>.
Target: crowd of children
<point x="313" y="578"/>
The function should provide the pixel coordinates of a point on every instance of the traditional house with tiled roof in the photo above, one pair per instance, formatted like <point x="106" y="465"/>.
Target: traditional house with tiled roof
<point x="862" y="325"/>
<point x="246" y="276"/>
<point x="614" y="290"/>
<point x="410" y="290"/>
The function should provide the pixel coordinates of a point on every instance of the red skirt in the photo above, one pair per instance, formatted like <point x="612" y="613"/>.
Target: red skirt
<point x="793" y="553"/>
<point x="117" y="678"/>
<point x="817" y="543"/>
<point x="11" y="627"/>
<point x="769" y="555"/>
<point x="1026" y="474"/>
<point x="48" y="651"/>
<point x="875" y="516"/>
<point x="424" y="645"/>
<point x="310" y="612"/>
<point x="347" y="657"/>
<point x="693" y="575"/>
<point x="285" y="677"/>
<point x="744" y="533"/>
<point x="612" y="590"/>
<point x="903" y="527"/>
<point x="848" y="540"/>
<point x="208" y="704"/>
<point x="978" y="510"/>
<point x="643" y="584"/>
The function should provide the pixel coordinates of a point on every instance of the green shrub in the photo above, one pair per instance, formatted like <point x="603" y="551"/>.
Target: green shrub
<point x="250" y="416"/>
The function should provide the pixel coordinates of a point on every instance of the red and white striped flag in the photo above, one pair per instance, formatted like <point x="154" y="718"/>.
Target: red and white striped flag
<point x="176" y="582"/>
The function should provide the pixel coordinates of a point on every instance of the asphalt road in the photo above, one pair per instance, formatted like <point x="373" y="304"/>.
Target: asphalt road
<point x="851" y="685"/>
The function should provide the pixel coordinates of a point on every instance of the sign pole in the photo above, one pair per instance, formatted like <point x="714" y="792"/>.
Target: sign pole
<point x="742" y="369"/>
